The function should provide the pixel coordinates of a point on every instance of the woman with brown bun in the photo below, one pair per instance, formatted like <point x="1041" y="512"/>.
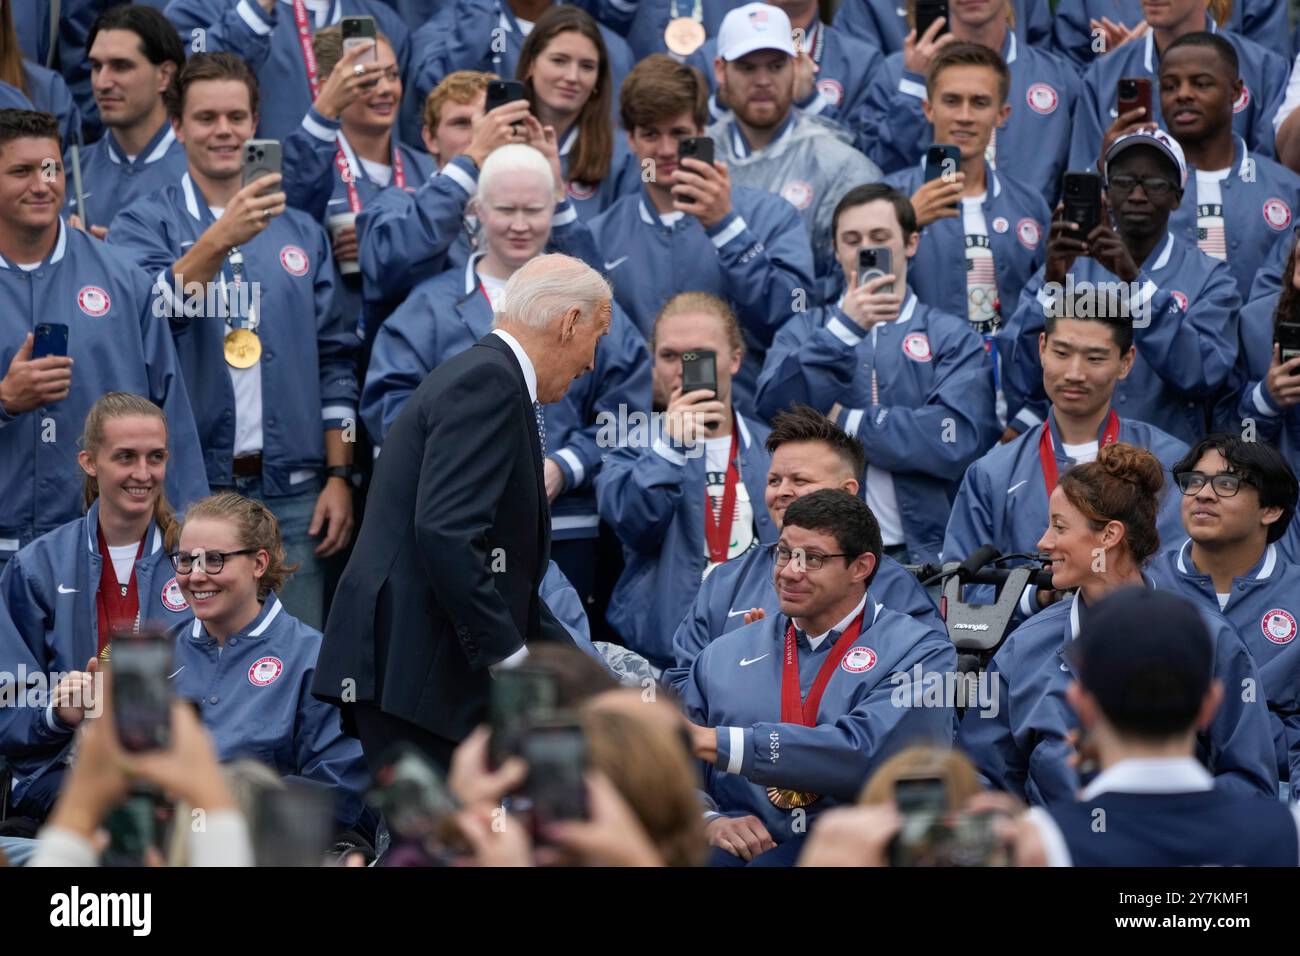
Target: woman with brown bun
<point x="1101" y="534"/>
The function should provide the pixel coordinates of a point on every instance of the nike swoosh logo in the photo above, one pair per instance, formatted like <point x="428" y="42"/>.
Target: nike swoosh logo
<point x="737" y="613"/>
<point x="63" y="590"/>
<point x="745" y="662"/>
<point x="1065" y="668"/>
<point x="615" y="264"/>
<point x="177" y="671"/>
<point x="1016" y="485"/>
<point x="187" y="242"/>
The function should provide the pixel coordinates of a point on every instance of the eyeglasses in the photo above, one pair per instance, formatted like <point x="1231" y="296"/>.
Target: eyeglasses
<point x="804" y="560"/>
<point x="1225" y="486"/>
<point x="1156" y="187"/>
<point x="209" y="562"/>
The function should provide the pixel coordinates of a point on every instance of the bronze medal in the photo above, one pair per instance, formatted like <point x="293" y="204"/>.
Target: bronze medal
<point x="243" y="348"/>
<point x="684" y="35"/>
<point x="791" y="799"/>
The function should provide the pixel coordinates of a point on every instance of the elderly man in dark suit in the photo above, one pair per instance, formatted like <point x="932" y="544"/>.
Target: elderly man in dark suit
<point x="441" y="589"/>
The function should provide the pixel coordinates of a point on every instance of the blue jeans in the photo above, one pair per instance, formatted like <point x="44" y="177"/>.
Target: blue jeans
<point x="304" y="594"/>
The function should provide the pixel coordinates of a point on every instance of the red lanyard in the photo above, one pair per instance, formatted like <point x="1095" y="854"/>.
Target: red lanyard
<point x="1047" y="455"/>
<point x="117" y="606"/>
<point x="349" y="180"/>
<point x="340" y="160"/>
<point x="795" y="710"/>
<point x="717" y="530"/>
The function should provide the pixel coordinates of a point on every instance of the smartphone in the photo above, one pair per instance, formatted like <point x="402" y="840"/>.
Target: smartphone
<point x="261" y="157"/>
<point x="942" y="159"/>
<point x="357" y="31"/>
<point x="700" y="370"/>
<point x="1081" y="195"/>
<point x="132" y="829"/>
<point x="927" y="11"/>
<point x="51" y="338"/>
<point x="556" y="788"/>
<point x="1132" y="92"/>
<point x="501" y="92"/>
<point x="1287" y="336"/>
<point x="873" y="262"/>
<point x="293" y="826"/>
<point x="695" y="147"/>
<point x="921" y="795"/>
<point x="142" y="692"/>
<point x="520" y="697"/>
<point x="410" y="792"/>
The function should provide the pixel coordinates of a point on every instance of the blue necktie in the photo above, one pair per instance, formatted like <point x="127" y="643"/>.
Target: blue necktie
<point x="541" y="425"/>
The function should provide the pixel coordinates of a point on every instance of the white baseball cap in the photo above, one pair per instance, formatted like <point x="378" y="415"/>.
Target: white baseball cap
<point x="755" y="26"/>
<point x="1156" y="139"/>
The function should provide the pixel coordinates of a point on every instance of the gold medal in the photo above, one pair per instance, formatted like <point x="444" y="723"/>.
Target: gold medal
<point x="791" y="799"/>
<point x="684" y="35"/>
<point x="243" y="348"/>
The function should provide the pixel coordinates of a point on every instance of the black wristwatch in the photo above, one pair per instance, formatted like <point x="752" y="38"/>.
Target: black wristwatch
<point x="341" y="471"/>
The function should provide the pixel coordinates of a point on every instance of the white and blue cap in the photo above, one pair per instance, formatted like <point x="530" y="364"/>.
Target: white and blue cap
<point x="755" y="26"/>
<point x="1156" y="139"/>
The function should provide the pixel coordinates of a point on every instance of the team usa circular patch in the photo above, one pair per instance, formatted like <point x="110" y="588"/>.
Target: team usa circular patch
<point x="797" y="193"/>
<point x="265" y="670"/>
<point x="172" y="597"/>
<point x="294" y="260"/>
<point x="582" y="190"/>
<point x="1277" y="214"/>
<point x="1000" y="224"/>
<point x="1242" y="101"/>
<point x="916" y="346"/>
<point x="1029" y="232"/>
<point x="859" y="659"/>
<point x="832" y="90"/>
<point x="1180" y="298"/>
<point x="93" y="300"/>
<point x="1278" y="626"/>
<point x="1042" y="98"/>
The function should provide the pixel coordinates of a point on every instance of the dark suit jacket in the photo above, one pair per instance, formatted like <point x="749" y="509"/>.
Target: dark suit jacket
<point x="455" y="540"/>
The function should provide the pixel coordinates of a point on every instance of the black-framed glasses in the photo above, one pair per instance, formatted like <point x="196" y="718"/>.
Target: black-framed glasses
<point x="1156" y="187"/>
<point x="805" y="560"/>
<point x="1225" y="486"/>
<point x="209" y="562"/>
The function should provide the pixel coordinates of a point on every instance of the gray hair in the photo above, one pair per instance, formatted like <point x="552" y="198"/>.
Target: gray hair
<point x="547" y="287"/>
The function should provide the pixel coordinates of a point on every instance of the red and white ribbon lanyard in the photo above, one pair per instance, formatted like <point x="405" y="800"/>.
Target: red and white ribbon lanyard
<point x="717" y="530"/>
<point x="1047" y="453"/>
<point x="794" y="708"/>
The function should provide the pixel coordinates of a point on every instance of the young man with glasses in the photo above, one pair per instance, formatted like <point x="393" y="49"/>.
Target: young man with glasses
<point x="1238" y="498"/>
<point x="793" y="712"/>
<point x="1182" y="303"/>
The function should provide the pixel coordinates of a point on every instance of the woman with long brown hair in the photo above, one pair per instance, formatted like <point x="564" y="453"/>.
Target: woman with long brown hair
<point x="44" y="88"/>
<point x="1101" y="533"/>
<point x="565" y="69"/>
<point x="70" y="589"/>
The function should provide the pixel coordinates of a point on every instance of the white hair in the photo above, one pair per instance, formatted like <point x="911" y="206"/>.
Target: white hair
<point x="507" y="162"/>
<point x="547" y="287"/>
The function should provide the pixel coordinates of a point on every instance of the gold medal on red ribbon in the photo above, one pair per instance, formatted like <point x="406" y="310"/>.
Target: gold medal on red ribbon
<point x="791" y="799"/>
<point x="243" y="348"/>
<point x="684" y="35"/>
